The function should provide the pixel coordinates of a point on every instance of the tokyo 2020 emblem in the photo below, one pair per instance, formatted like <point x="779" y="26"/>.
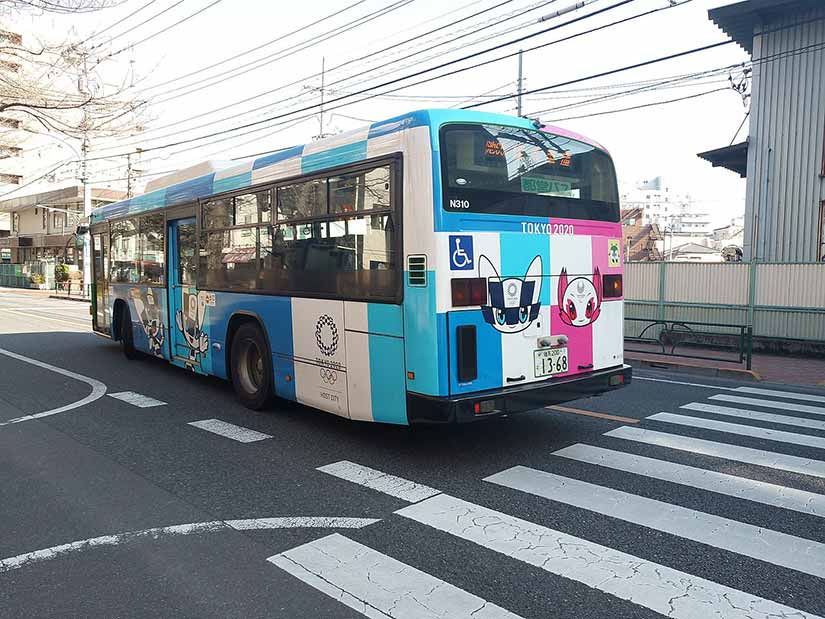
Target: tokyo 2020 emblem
<point x="326" y="335"/>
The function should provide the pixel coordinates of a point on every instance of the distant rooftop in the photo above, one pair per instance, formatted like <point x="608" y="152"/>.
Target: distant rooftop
<point x="739" y="21"/>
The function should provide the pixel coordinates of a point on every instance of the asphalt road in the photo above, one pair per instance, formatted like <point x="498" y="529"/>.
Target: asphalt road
<point x="120" y="507"/>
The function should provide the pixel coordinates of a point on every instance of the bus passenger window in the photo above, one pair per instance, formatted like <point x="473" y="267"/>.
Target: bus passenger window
<point x="151" y="249"/>
<point x="360" y="191"/>
<point x="124" y="248"/>
<point x="302" y="200"/>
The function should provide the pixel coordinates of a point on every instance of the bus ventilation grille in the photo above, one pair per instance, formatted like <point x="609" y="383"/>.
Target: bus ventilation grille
<point x="417" y="270"/>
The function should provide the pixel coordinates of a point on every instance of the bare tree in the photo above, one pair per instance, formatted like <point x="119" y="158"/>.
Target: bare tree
<point x="60" y="87"/>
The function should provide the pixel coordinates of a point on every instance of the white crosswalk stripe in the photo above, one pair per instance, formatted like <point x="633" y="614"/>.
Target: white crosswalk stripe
<point x="758" y="457"/>
<point x="388" y="484"/>
<point x="379" y="586"/>
<point x="800" y="422"/>
<point x="781" y="549"/>
<point x="787" y="406"/>
<point x="703" y="479"/>
<point x="782" y="394"/>
<point x="660" y="588"/>
<point x="136" y="399"/>
<point x="742" y="430"/>
<point x="230" y="430"/>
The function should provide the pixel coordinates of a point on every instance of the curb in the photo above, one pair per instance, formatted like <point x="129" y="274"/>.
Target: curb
<point x="691" y="368"/>
<point x="68" y="298"/>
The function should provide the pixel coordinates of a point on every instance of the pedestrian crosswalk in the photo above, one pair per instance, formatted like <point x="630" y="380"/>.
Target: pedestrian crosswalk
<point x="358" y="574"/>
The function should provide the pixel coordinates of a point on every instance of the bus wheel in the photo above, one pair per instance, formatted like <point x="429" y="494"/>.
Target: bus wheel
<point x="251" y="366"/>
<point x="126" y="337"/>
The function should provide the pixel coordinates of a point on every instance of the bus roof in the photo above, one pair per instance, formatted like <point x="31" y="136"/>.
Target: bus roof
<point x="209" y="178"/>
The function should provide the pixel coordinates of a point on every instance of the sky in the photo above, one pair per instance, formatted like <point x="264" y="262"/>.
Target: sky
<point x="660" y="140"/>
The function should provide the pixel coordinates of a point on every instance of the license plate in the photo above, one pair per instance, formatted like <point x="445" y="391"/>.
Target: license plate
<point x="549" y="361"/>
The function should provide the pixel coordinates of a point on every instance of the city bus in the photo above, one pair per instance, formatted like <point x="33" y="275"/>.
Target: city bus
<point x="439" y="266"/>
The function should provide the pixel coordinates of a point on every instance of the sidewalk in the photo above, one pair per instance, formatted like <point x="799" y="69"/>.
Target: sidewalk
<point x="770" y="368"/>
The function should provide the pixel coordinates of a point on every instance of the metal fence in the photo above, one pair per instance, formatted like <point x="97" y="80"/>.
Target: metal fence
<point x="784" y="301"/>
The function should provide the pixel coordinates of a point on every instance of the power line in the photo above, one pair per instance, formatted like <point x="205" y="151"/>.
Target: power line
<point x="284" y="53"/>
<point x="120" y="21"/>
<point x="167" y="29"/>
<point x="145" y="21"/>
<point x="406" y="77"/>
<point x="255" y="49"/>
<point x="639" y="107"/>
<point x="269" y="105"/>
<point x="638" y="65"/>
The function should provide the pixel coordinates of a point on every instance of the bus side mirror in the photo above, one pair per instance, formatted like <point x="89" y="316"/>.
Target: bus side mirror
<point x="82" y="230"/>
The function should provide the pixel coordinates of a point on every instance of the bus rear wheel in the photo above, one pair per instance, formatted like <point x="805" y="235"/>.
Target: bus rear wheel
<point x="126" y="336"/>
<point x="251" y="366"/>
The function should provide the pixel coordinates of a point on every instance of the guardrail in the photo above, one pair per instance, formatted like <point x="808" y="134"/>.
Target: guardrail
<point x="665" y="336"/>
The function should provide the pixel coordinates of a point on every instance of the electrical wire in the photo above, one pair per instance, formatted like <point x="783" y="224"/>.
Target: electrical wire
<point x="412" y="75"/>
<point x="145" y="21"/>
<point x="118" y="22"/>
<point x="167" y="29"/>
<point x="280" y="54"/>
<point x="256" y="48"/>
<point x="639" y="107"/>
<point x="292" y="100"/>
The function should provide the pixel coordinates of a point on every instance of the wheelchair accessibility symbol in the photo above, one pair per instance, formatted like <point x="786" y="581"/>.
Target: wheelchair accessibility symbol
<point x="461" y="253"/>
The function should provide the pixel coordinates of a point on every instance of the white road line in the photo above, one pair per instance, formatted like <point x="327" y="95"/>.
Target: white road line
<point x="782" y="394"/>
<point x="801" y="422"/>
<point x="230" y="430"/>
<point x="299" y="522"/>
<point x="136" y="399"/>
<point x="704" y="479"/>
<point x="681" y="382"/>
<point x="379" y="586"/>
<point x="382" y="482"/>
<point x="785" y="406"/>
<point x="156" y="533"/>
<point x="660" y="588"/>
<point x="736" y="453"/>
<point x="782" y="549"/>
<point x="98" y="388"/>
<point x="735" y="428"/>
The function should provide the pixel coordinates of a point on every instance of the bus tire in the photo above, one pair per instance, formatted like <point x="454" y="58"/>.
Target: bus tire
<point x="251" y="366"/>
<point x="126" y="336"/>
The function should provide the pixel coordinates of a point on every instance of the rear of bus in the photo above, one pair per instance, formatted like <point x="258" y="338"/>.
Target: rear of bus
<point x="528" y="267"/>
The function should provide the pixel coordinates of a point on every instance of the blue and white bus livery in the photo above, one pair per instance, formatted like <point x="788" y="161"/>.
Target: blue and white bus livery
<point x="443" y="265"/>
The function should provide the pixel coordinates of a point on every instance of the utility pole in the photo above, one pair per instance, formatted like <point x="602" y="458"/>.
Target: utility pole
<point x="520" y="84"/>
<point x="323" y="76"/>
<point x="83" y="87"/>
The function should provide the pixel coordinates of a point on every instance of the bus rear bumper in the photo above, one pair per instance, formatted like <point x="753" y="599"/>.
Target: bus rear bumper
<point x="423" y="409"/>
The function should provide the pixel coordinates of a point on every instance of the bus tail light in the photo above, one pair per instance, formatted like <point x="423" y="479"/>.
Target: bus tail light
<point x="467" y="353"/>
<point x="468" y="291"/>
<point x="612" y="286"/>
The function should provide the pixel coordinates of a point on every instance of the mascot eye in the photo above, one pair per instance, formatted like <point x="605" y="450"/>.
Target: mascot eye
<point x="591" y="305"/>
<point x="523" y="314"/>
<point x="500" y="317"/>
<point x="571" y="309"/>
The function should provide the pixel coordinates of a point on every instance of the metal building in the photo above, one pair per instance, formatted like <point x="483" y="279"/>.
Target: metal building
<point x="784" y="157"/>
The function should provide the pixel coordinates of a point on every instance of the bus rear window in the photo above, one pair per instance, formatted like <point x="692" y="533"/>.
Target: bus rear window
<point x="517" y="171"/>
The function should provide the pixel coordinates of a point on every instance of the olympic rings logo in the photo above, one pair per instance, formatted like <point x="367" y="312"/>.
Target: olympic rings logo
<point x="329" y="376"/>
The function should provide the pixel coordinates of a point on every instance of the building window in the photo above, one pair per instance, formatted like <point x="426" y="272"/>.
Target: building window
<point x="45" y="215"/>
<point x="15" y="222"/>
<point x="57" y="221"/>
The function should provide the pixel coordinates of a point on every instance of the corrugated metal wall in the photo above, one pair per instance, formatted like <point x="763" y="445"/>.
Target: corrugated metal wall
<point x="785" y="188"/>
<point x="706" y="283"/>
<point x="788" y="300"/>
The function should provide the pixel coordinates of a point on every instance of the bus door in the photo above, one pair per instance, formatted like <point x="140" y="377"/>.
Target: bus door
<point x="187" y="341"/>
